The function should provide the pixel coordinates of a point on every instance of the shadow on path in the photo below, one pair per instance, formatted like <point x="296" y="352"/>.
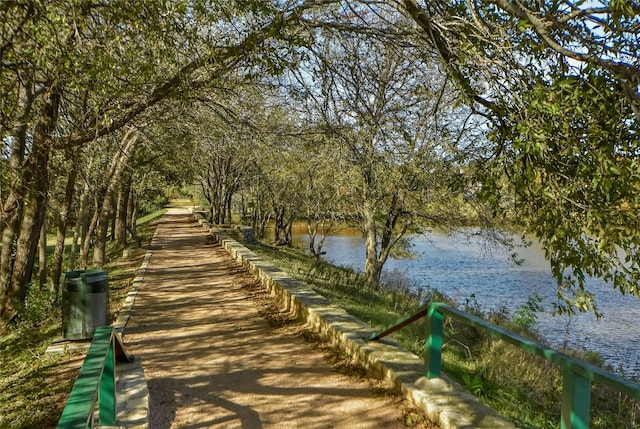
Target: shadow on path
<point x="211" y="361"/>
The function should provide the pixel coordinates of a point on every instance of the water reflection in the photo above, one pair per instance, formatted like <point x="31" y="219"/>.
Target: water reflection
<point x="462" y="269"/>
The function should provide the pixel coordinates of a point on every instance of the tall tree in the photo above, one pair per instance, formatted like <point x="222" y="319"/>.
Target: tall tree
<point x="384" y="104"/>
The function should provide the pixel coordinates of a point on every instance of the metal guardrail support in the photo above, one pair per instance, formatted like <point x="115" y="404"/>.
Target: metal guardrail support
<point x="577" y="375"/>
<point x="433" y="345"/>
<point x="96" y="383"/>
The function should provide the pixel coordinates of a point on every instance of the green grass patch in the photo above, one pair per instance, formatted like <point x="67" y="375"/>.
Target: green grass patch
<point x="151" y="217"/>
<point x="525" y="389"/>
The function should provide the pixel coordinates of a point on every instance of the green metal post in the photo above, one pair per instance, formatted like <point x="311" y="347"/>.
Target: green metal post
<point x="576" y="400"/>
<point x="107" y="395"/>
<point x="433" y="345"/>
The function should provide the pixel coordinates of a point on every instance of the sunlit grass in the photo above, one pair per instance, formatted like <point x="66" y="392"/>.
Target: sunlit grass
<point x="151" y="217"/>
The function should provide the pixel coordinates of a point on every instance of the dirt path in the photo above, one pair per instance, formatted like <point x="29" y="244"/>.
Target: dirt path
<point x="212" y="361"/>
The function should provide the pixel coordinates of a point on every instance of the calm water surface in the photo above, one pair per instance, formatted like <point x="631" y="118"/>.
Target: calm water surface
<point x="466" y="269"/>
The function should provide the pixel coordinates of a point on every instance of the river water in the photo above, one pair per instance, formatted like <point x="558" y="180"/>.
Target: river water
<point x="469" y="270"/>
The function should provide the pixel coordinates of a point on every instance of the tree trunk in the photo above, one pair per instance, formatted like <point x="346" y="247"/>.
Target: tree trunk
<point x="87" y="234"/>
<point x="126" y="152"/>
<point x="58" y="253"/>
<point x="372" y="266"/>
<point x="36" y="184"/>
<point x="12" y="207"/>
<point x="112" y="219"/>
<point x="121" y="212"/>
<point x="228" y="198"/>
<point x="132" y="218"/>
<point x="313" y="224"/>
<point x="312" y="230"/>
<point x="100" y="245"/>
<point x="9" y="243"/>
<point x="82" y="229"/>
<point x="42" y="254"/>
<point x="280" y="226"/>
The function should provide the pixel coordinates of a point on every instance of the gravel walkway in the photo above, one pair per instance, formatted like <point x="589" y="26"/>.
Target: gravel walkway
<point x="210" y="359"/>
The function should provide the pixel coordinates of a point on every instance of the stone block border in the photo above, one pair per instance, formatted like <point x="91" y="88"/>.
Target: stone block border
<point x="131" y="385"/>
<point x="443" y="401"/>
<point x="127" y="307"/>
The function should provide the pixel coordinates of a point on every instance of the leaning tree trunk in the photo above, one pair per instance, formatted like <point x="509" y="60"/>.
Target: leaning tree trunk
<point x="132" y="218"/>
<point x="126" y="152"/>
<point x="104" y="218"/>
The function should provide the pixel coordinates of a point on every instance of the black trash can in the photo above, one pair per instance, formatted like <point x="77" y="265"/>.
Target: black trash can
<point x="85" y="303"/>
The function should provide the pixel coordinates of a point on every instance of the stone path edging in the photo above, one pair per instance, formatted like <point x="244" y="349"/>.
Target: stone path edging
<point x="443" y="401"/>
<point x="131" y="385"/>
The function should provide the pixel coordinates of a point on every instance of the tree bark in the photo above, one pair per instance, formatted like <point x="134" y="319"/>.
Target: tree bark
<point x="112" y="218"/>
<point x="105" y="208"/>
<point x="83" y="225"/>
<point x="58" y="253"/>
<point x="132" y="218"/>
<point x="282" y="231"/>
<point x="104" y="217"/>
<point x="372" y="266"/>
<point x="35" y="181"/>
<point x="122" y="210"/>
<point x="87" y="233"/>
<point x="11" y="209"/>
<point x="42" y="254"/>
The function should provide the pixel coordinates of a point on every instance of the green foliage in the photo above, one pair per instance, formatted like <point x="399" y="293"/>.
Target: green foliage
<point x="572" y="165"/>
<point x="527" y="314"/>
<point x="40" y="307"/>
<point x="474" y="384"/>
<point x="558" y="86"/>
<point x="153" y="202"/>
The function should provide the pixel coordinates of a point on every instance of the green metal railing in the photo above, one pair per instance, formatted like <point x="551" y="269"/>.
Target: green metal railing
<point x="96" y="384"/>
<point x="577" y="375"/>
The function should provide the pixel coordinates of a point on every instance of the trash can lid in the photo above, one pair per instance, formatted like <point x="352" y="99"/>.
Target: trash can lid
<point x="87" y="281"/>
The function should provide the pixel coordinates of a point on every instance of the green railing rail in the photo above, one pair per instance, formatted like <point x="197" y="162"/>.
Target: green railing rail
<point x="577" y="375"/>
<point x="96" y="384"/>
